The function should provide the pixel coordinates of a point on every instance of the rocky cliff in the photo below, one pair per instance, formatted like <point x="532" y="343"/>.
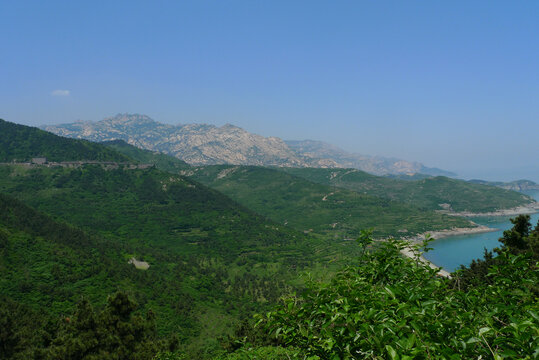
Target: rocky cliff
<point x="201" y="144"/>
<point x="197" y="144"/>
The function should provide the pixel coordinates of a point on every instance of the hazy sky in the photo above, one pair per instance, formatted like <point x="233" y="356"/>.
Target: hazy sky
<point x="452" y="84"/>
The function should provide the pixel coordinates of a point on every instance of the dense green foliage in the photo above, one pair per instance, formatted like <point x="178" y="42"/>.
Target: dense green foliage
<point x="211" y="260"/>
<point x="307" y="206"/>
<point x="150" y="207"/>
<point x="392" y="307"/>
<point x="426" y="193"/>
<point x="22" y="143"/>
<point x="115" y="332"/>
<point x="161" y="161"/>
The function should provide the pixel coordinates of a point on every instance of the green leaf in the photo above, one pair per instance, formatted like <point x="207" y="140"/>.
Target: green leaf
<point x="392" y="352"/>
<point x="484" y="330"/>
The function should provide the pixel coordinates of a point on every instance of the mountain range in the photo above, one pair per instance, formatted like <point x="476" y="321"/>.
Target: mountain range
<point x="202" y="144"/>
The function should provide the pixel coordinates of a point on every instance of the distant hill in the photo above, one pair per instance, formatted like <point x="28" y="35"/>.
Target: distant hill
<point x="372" y="164"/>
<point x="162" y="161"/>
<point x="200" y="144"/>
<point x="197" y="144"/>
<point x="517" y="185"/>
<point x="321" y="208"/>
<point x="22" y="143"/>
<point x="433" y="193"/>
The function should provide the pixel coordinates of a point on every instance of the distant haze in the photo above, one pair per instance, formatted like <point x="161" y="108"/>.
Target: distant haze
<point x="453" y="85"/>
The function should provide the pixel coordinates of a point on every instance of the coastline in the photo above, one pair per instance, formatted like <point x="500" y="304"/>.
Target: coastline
<point x="520" y="210"/>
<point x="452" y="232"/>
<point x="407" y="251"/>
<point x="531" y="208"/>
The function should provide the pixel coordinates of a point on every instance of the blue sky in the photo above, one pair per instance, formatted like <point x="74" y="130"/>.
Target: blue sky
<point x="451" y="84"/>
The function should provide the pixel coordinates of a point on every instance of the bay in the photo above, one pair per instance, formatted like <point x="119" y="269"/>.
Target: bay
<point x="450" y="252"/>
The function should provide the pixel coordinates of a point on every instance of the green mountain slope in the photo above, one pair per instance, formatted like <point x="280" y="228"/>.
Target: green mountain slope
<point x="211" y="260"/>
<point x="144" y="205"/>
<point x="22" y="143"/>
<point x="161" y="161"/>
<point x="426" y="193"/>
<point x="308" y="206"/>
<point x="49" y="266"/>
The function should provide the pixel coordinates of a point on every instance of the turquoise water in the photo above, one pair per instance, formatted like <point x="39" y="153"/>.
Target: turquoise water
<point x="451" y="252"/>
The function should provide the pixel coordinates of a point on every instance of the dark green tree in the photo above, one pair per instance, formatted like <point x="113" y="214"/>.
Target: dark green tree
<point x="114" y="333"/>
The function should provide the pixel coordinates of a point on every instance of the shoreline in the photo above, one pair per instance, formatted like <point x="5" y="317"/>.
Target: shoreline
<point x="407" y="251"/>
<point x="440" y="234"/>
<point x="531" y="208"/>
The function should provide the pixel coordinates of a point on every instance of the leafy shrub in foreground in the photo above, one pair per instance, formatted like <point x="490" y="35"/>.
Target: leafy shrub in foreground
<point x="394" y="307"/>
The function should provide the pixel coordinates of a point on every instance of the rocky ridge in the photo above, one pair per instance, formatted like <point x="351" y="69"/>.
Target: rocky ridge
<point x="202" y="144"/>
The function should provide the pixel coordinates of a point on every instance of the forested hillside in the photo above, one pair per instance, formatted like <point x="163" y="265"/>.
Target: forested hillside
<point x="161" y="161"/>
<point x="211" y="260"/>
<point x="435" y="193"/>
<point x="22" y="143"/>
<point x="48" y="266"/>
<point x="323" y="209"/>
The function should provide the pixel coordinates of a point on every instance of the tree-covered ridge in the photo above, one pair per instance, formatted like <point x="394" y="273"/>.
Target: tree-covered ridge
<point x="430" y="193"/>
<point x="306" y="206"/>
<point x="211" y="260"/>
<point x="146" y="205"/>
<point x="22" y="143"/>
<point x="161" y="161"/>
<point x="47" y="266"/>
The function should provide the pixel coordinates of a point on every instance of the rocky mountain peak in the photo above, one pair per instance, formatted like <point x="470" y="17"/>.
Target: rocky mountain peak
<point x="203" y="144"/>
<point x="129" y="120"/>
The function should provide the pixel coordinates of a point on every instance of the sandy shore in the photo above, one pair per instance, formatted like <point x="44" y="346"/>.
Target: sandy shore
<point x="409" y="253"/>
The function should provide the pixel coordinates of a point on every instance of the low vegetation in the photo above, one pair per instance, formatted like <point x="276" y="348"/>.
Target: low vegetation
<point x="391" y="307"/>
<point x="430" y="193"/>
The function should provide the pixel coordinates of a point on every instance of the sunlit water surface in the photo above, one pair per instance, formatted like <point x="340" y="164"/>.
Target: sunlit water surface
<point x="451" y="252"/>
